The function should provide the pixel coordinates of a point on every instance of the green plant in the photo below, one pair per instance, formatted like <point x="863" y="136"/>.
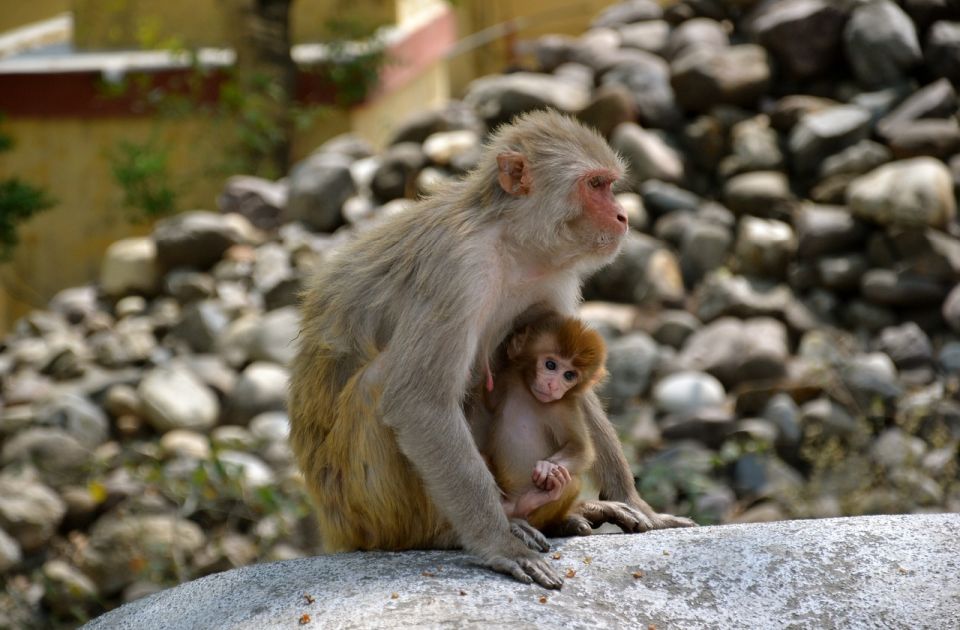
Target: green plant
<point x="18" y="202"/>
<point x="142" y="172"/>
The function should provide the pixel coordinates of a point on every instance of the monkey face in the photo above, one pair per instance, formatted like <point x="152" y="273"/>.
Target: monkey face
<point x="602" y="218"/>
<point x="553" y="378"/>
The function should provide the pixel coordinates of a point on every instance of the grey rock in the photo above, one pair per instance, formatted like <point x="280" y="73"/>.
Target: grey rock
<point x="79" y="417"/>
<point x="187" y="285"/>
<point x="872" y="378"/>
<point x="907" y="345"/>
<point x="260" y="201"/>
<point x="760" y="193"/>
<point x="454" y="116"/>
<point x="261" y="387"/>
<point x="805" y="551"/>
<point x="628" y="12"/>
<point x="949" y="357"/>
<point x="10" y="553"/>
<point x="828" y="418"/>
<point x="319" y="185"/>
<point x="764" y="246"/>
<point x="649" y="156"/>
<point x="397" y="172"/>
<point x="442" y="147"/>
<point x="275" y="338"/>
<point x="202" y="324"/>
<point x="942" y="51"/>
<point x="30" y="512"/>
<point x="736" y="351"/>
<point x="645" y="272"/>
<point x="782" y="411"/>
<point x="631" y="360"/>
<point x="499" y="98"/>
<point x="708" y="425"/>
<point x="663" y="198"/>
<point x="857" y="159"/>
<point x="58" y="456"/>
<point x="826" y="230"/>
<point x="684" y="393"/>
<point x="650" y="36"/>
<point x="185" y="443"/>
<point x="232" y="437"/>
<point x="755" y="147"/>
<point x="803" y="35"/>
<point x="936" y="100"/>
<point x="890" y="288"/>
<point x="705" y="140"/>
<point x="917" y="191"/>
<point x="674" y="326"/>
<point x="121" y="549"/>
<point x="646" y="79"/>
<point x="819" y="134"/>
<point x="703" y="78"/>
<point x="696" y="34"/>
<point x="841" y="273"/>
<point x="894" y="447"/>
<point x="67" y="588"/>
<point x="787" y="111"/>
<point x="636" y="211"/>
<point x="174" y="398"/>
<point x="723" y="294"/>
<point x="705" y="246"/>
<point x="880" y="43"/>
<point x="951" y="308"/>
<point x="270" y="426"/>
<point x="251" y="471"/>
<point x="932" y="137"/>
<point x="349" y="145"/>
<point x="130" y="266"/>
<point x="197" y="239"/>
<point x="75" y="303"/>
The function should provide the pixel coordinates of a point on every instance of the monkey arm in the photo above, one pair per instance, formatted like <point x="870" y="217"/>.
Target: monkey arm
<point x="620" y="502"/>
<point x="423" y="406"/>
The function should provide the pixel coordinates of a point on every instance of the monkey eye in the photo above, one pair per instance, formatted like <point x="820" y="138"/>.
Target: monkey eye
<point x="570" y="375"/>
<point x="596" y="181"/>
<point x="551" y="364"/>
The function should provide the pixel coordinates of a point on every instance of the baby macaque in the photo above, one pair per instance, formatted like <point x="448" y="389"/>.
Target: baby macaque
<point x="539" y="443"/>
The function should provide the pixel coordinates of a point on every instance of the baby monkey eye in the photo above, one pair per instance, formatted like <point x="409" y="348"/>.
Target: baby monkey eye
<point x="570" y="375"/>
<point x="551" y="364"/>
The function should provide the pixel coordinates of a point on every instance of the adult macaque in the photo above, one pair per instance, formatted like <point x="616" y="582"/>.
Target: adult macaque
<point x="539" y="443"/>
<point x="398" y="326"/>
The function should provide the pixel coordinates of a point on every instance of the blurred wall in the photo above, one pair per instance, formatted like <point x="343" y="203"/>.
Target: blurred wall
<point x="17" y="13"/>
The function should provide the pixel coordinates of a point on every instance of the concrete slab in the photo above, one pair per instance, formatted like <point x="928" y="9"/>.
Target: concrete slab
<point x="864" y="572"/>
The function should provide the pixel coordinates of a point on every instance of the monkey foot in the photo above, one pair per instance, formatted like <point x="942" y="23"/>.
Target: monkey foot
<point x="529" y="535"/>
<point x="592" y="514"/>
<point x="526" y="569"/>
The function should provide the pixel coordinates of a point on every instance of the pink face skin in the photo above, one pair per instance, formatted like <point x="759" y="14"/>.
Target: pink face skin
<point x="555" y="376"/>
<point x="596" y="195"/>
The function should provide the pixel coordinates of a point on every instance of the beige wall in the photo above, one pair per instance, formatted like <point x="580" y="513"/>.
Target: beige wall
<point x="17" y="13"/>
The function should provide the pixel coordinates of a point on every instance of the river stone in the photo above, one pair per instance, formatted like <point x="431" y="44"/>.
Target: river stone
<point x="197" y="239"/>
<point x="826" y="230"/>
<point x="275" y="337"/>
<point x="939" y="138"/>
<point x="703" y="78"/>
<point x="130" y="266"/>
<point x="442" y="147"/>
<point x="30" y="512"/>
<point x="912" y="192"/>
<point x="736" y="350"/>
<point x="650" y="157"/>
<point x="260" y="201"/>
<point x="650" y="36"/>
<point x="58" y="456"/>
<point x="120" y="549"/>
<point x="185" y="443"/>
<point x="629" y="581"/>
<point x="172" y="397"/>
<point x="764" y="246"/>
<point x="699" y="33"/>
<point x="397" y="172"/>
<point x="498" y="98"/>
<point x="643" y="83"/>
<point x="804" y="35"/>
<point x="760" y="193"/>
<point x="881" y="43"/>
<point x="319" y="185"/>
<point x="684" y="393"/>
<point x="704" y="247"/>
<point x="631" y="360"/>
<point x="67" y="588"/>
<point x="827" y="131"/>
<point x="857" y="159"/>
<point x="943" y="50"/>
<point x="79" y="417"/>
<point x="261" y="387"/>
<point x="10" y="553"/>
<point x="907" y="345"/>
<point x="250" y="469"/>
<point x="628" y="12"/>
<point x="755" y="147"/>
<point x="936" y="100"/>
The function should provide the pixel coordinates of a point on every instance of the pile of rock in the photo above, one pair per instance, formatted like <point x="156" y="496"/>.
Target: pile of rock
<point x="782" y="322"/>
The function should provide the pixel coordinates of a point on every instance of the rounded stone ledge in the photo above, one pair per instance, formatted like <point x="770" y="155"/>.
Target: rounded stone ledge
<point x="863" y="572"/>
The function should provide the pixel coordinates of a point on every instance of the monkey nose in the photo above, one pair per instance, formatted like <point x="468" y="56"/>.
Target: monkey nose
<point x="622" y="217"/>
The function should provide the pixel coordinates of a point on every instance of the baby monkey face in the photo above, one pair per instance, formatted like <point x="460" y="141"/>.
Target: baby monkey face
<point x="555" y="375"/>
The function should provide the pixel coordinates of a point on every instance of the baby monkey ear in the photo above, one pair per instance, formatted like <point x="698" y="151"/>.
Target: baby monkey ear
<point x="514" y="173"/>
<point x="517" y="343"/>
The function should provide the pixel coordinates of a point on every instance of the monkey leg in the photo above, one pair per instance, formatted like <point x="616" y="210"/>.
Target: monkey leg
<point x="366" y="493"/>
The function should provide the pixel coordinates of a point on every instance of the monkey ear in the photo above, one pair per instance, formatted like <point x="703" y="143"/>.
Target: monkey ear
<point x="514" y="173"/>
<point x="516" y="344"/>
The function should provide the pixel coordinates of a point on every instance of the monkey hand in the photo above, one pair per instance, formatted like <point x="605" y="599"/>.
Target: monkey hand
<point x="549" y="476"/>
<point x="591" y="514"/>
<point x="528" y="534"/>
<point x="522" y="565"/>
